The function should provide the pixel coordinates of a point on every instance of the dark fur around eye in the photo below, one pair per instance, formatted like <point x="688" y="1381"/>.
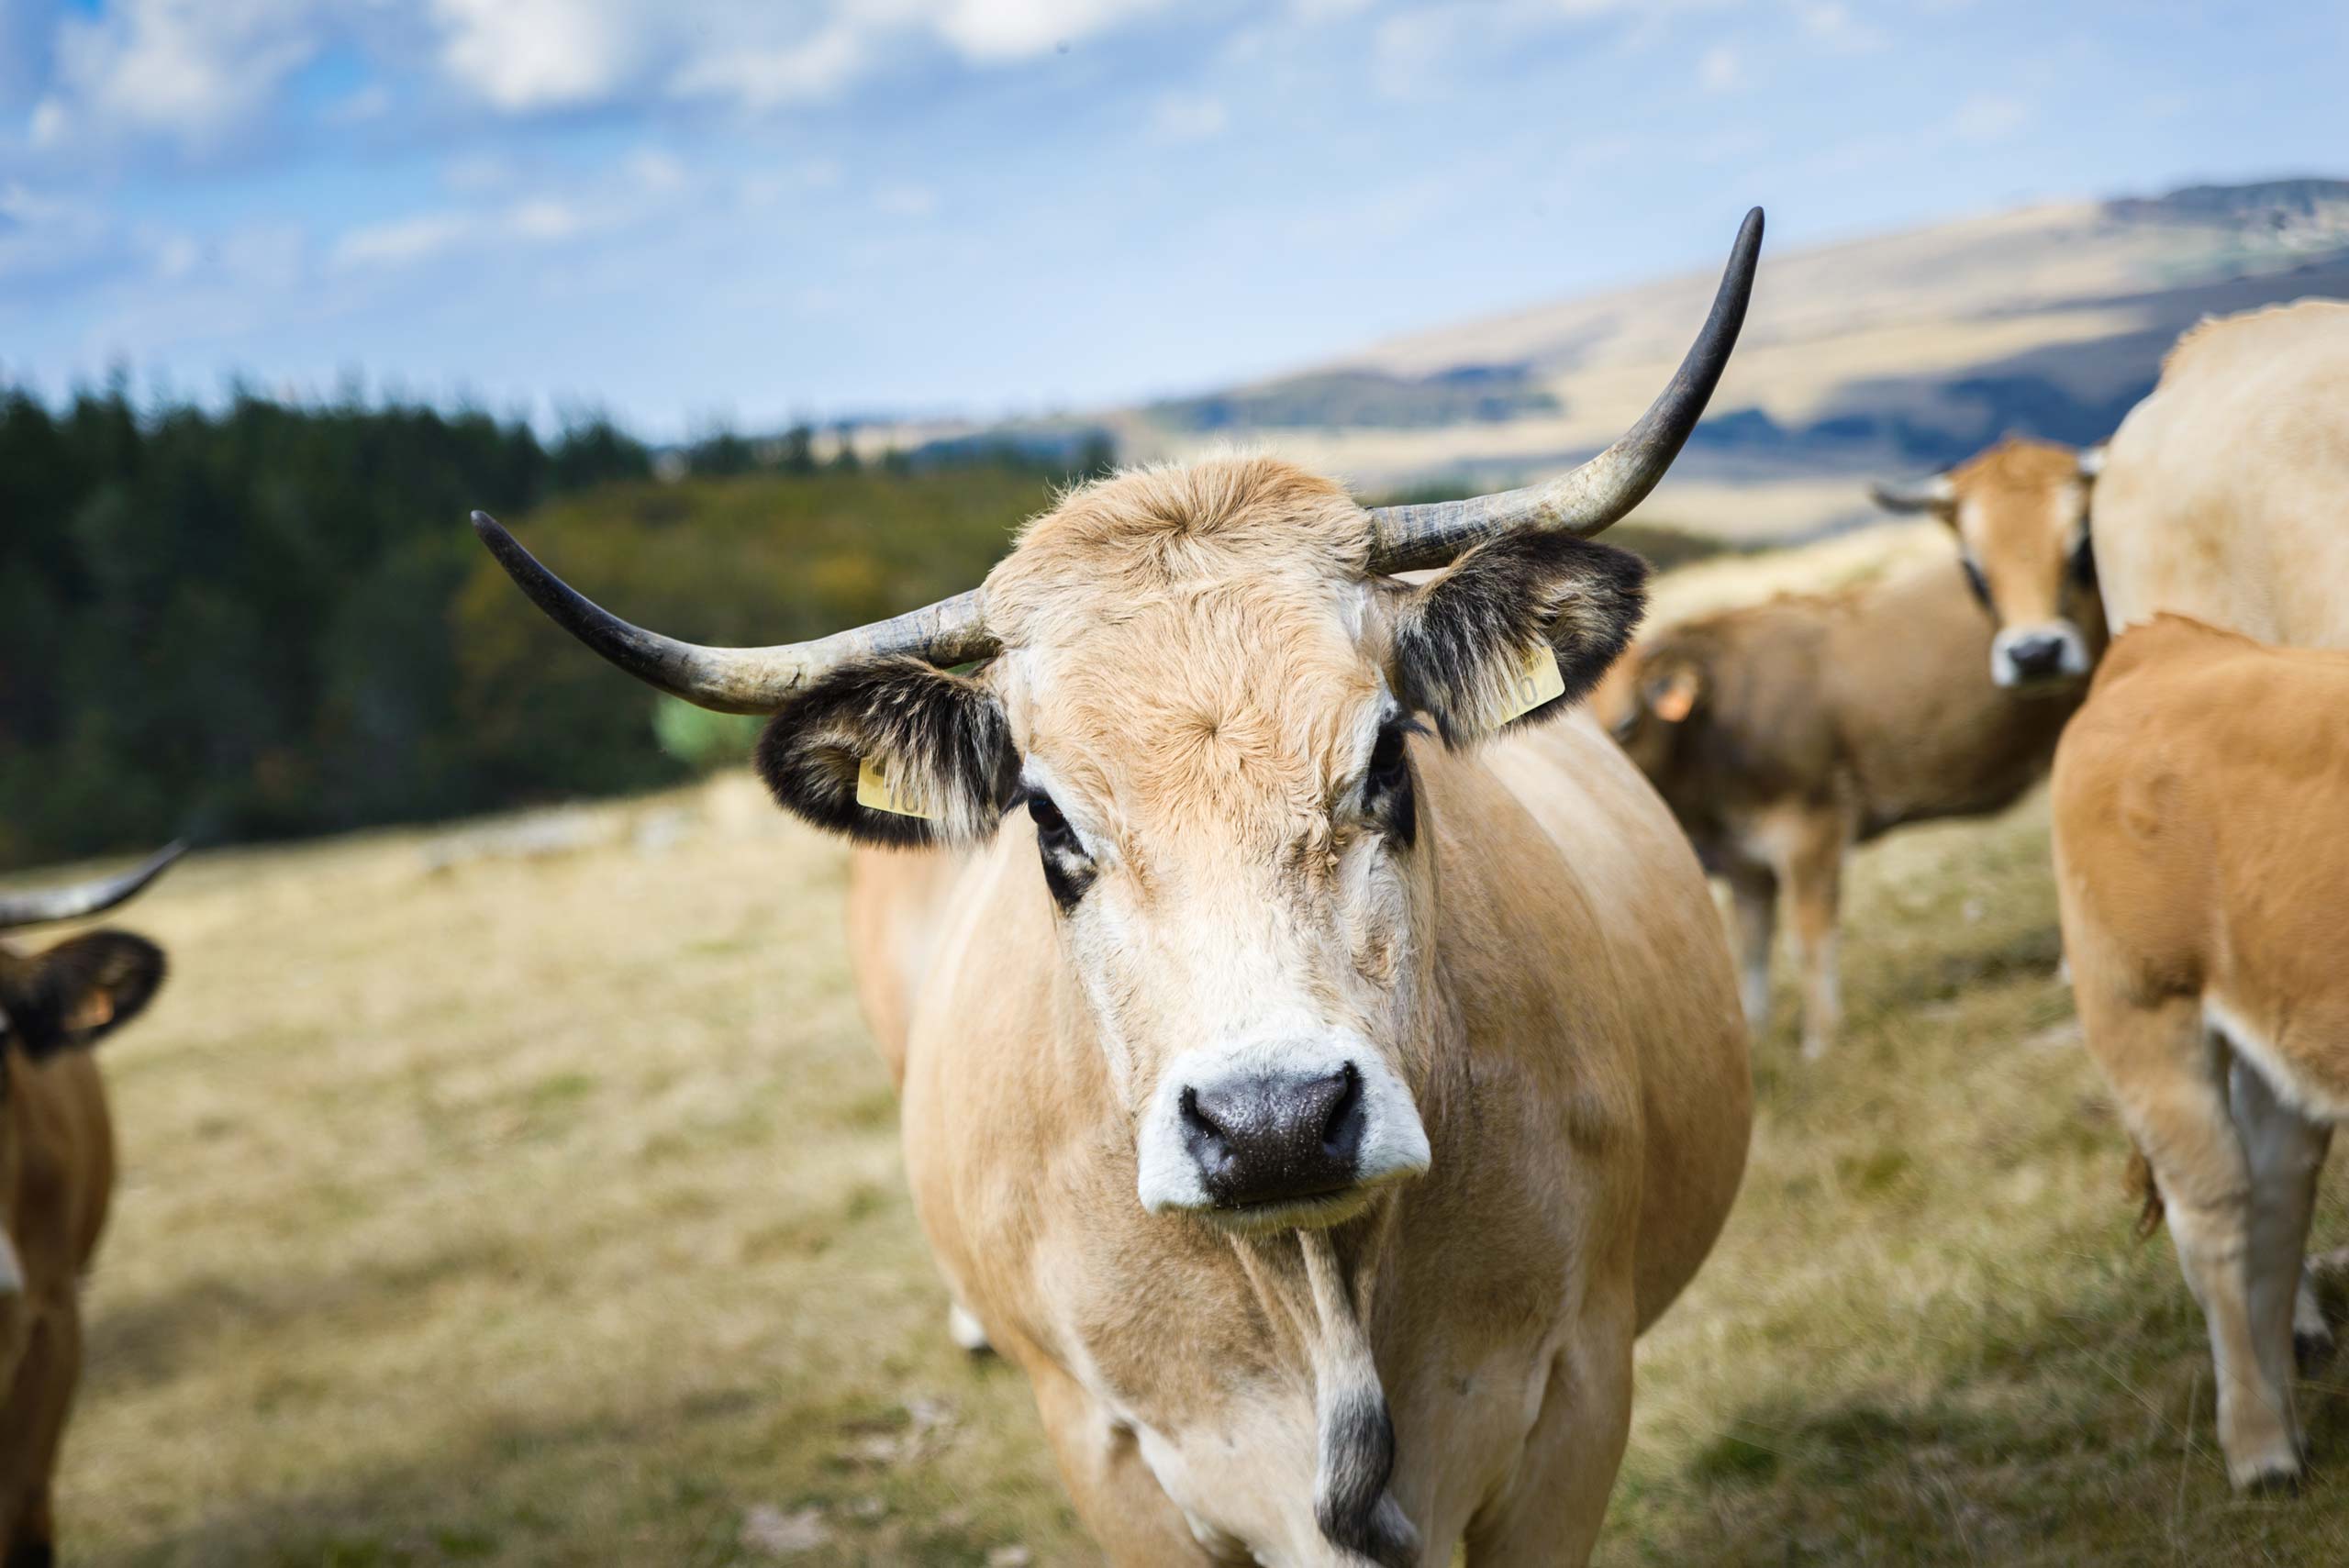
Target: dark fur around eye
<point x="1386" y="793"/>
<point x="1068" y="869"/>
<point x="1975" y="580"/>
<point x="2084" y="561"/>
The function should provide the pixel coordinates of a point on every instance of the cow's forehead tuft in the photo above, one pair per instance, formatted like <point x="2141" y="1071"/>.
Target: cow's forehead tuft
<point x="1151" y="530"/>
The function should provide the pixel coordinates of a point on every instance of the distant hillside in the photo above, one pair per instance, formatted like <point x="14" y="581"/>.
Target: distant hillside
<point x="1885" y="355"/>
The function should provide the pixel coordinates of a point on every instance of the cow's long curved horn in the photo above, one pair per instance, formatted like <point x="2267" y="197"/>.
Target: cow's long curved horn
<point x="1919" y="496"/>
<point x="738" y="680"/>
<point x="87" y="897"/>
<point x="1600" y="491"/>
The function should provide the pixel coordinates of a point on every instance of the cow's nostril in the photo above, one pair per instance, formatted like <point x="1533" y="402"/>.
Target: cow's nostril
<point x="1341" y="1128"/>
<point x="1201" y="1126"/>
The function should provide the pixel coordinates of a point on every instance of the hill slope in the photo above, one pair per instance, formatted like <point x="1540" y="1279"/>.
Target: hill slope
<point x="1889" y="354"/>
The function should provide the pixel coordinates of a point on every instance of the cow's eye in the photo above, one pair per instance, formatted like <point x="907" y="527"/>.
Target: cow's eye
<point x="1975" y="580"/>
<point x="1388" y="768"/>
<point x="1051" y="827"/>
<point x="1068" y="869"/>
<point x="1386" y="784"/>
<point x="2084" y="562"/>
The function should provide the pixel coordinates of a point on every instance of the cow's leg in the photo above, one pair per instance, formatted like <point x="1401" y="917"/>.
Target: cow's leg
<point x="2169" y="1081"/>
<point x="42" y="1399"/>
<point x="1754" y="895"/>
<point x="1552" y="1510"/>
<point x="2311" y="1335"/>
<point x="1814" y="876"/>
<point x="2287" y="1157"/>
<point x="964" y="1329"/>
<point x="1115" y="1495"/>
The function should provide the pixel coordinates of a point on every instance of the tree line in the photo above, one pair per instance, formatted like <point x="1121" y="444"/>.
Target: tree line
<point x="269" y="619"/>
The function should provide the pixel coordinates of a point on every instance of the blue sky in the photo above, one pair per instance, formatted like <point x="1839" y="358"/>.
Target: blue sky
<point x="685" y="211"/>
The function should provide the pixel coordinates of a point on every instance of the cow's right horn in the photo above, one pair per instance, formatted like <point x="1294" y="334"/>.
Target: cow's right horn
<point x="84" y="898"/>
<point x="738" y="680"/>
<point x="1589" y="497"/>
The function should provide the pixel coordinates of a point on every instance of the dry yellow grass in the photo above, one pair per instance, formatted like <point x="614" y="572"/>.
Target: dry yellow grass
<point x="545" y="1209"/>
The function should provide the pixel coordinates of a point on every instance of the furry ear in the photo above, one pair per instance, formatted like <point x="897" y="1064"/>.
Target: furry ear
<point x="938" y="747"/>
<point x="1463" y="641"/>
<point x="1672" y="694"/>
<point x="85" y="987"/>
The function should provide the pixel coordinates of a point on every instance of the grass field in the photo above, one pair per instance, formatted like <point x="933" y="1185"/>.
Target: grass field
<point x="530" y="1196"/>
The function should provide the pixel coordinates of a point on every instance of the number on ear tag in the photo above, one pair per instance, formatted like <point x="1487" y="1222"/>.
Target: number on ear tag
<point x="876" y="791"/>
<point x="1536" y="683"/>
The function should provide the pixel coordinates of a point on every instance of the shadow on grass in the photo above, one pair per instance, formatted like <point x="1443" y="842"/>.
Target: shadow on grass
<point x="2075" y="1432"/>
<point x="631" y="1483"/>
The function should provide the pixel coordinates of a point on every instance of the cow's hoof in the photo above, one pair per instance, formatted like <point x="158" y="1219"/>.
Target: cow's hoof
<point x="2273" y="1475"/>
<point x="965" y="1331"/>
<point x="32" y="1554"/>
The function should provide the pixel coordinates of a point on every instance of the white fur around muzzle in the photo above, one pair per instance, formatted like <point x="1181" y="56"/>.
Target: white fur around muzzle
<point x="1394" y="1141"/>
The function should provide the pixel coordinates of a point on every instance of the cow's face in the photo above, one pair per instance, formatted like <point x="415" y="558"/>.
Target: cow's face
<point x="2020" y="514"/>
<point x="65" y="997"/>
<point x="1209" y="722"/>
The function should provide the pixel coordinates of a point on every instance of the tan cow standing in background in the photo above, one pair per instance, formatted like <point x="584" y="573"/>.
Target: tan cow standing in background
<point x="1315" y="1074"/>
<point x="2199" y="802"/>
<point x="55" y="1173"/>
<point x="1783" y="733"/>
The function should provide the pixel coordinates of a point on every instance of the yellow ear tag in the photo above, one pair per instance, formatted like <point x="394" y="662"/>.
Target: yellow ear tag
<point x="1536" y="683"/>
<point x="876" y="791"/>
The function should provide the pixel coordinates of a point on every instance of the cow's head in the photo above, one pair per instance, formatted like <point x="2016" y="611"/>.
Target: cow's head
<point x="1647" y="701"/>
<point x="1204" y="696"/>
<point x="66" y="997"/>
<point x="2020" y="514"/>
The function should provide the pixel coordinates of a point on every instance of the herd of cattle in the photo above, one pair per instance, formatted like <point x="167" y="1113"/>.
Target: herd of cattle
<point x="1319" y="1052"/>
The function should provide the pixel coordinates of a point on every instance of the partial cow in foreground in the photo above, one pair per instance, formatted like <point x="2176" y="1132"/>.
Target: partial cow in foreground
<point x="2198" y="804"/>
<point x="1781" y="734"/>
<point x="1316" y="1071"/>
<point x="55" y="1173"/>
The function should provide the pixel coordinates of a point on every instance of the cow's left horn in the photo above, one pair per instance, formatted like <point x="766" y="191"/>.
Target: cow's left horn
<point x="1600" y="491"/>
<point x="87" y="897"/>
<point x="738" y="680"/>
<point x="1923" y="495"/>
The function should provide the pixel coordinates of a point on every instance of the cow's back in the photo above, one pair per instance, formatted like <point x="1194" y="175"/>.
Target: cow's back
<point x="2225" y="494"/>
<point x="1668" y="972"/>
<point x="1905" y="672"/>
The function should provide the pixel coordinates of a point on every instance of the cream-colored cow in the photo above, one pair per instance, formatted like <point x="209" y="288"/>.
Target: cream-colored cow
<point x="1314" y="1106"/>
<point x="2200" y="798"/>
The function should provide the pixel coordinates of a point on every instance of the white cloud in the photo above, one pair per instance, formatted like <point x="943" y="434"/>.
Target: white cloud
<point x="1182" y="117"/>
<point x="1014" y="30"/>
<point x="1830" y="22"/>
<point x="906" y="201"/>
<point x="521" y="55"/>
<point x="403" y="241"/>
<point x="189" y="69"/>
<point x="1988" y="116"/>
<point x="655" y="169"/>
<point x="805" y="72"/>
<point x="1719" y="69"/>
